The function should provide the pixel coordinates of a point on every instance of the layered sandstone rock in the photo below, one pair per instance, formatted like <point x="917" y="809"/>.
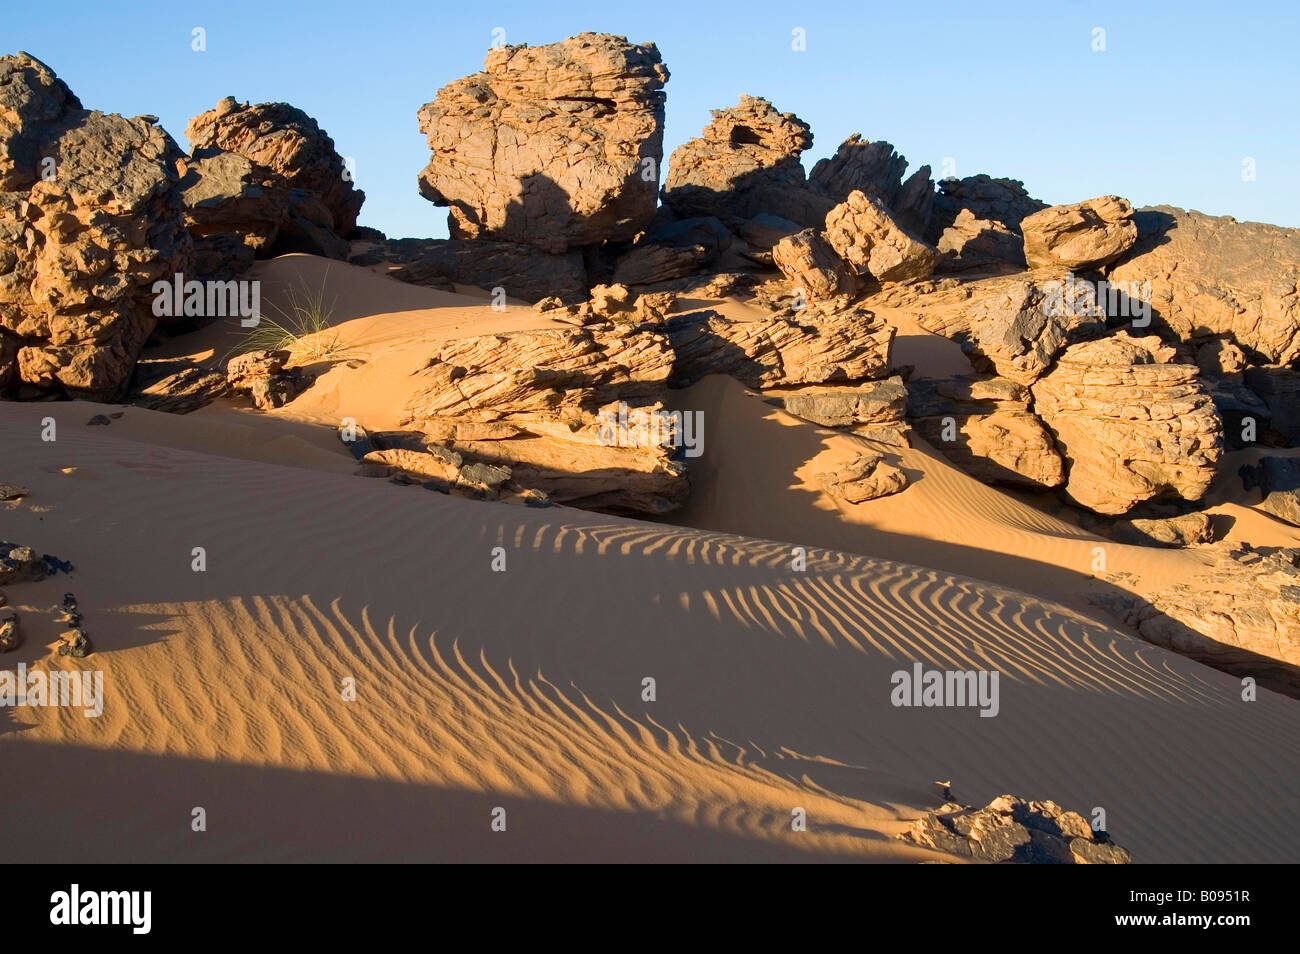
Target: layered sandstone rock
<point x="745" y="162"/>
<point x="1219" y="277"/>
<point x="811" y="265"/>
<point x="264" y="377"/>
<point x="817" y="347"/>
<point x="871" y="243"/>
<point x="1003" y="201"/>
<point x="1082" y="235"/>
<point x="90" y="218"/>
<point x="1014" y="325"/>
<point x="554" y="146"/>
<point x="876" y="169"/>
<point x="1132" y="424"/>
<point x="986" y="428"/>
<point x="673" y="251"/>
<point x="286" y="142"/>
<point x="873" y="409"/>
<point x="1242" y="615"/>
<point x="970" y="243"/>
<point x="524" y="272"/>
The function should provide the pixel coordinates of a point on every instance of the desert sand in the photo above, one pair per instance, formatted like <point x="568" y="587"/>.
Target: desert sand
<point x="522" y="689"/>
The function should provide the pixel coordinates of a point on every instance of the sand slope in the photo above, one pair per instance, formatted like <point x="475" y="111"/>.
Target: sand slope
<point x="522" y="689"/>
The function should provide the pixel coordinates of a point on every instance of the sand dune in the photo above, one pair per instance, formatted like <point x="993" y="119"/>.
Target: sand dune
<point x="523" y="689"/>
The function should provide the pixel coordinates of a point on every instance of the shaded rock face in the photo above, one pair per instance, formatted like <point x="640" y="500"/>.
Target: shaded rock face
<point x="811" y="264"/>
<point x="970" y="243"/>
<point x="1279" y="478"/>
<point x="1003" y="201"/>
<point x="673" y="251"/>
<point x="224" y="192"/>
<point x="554" y="146"/>
<point x="83" y="237"/>
<point x="523" y="271"/>
<point x="745" y="162"/>
<point x="287" y="142"/>
<point x="986" y="428"/>
<point x="1242" y="615"/>
<point x="1219" y="277"/>
<point x="871" y="243"/>
<point x="876" y="169"/>
<point x="1279" y="391"/>
<point x="1082" y="235"/>
<point x="1132" y="425"/>
<point x="873" y="409"/>
<point x="816" y="348"/>
<point x="1011" y="830"/>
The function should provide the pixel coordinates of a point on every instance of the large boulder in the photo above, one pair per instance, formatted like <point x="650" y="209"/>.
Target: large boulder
<point x="1218" y="277"/>
<point x="811" y="265"/>
<point x="673" y="251"/>
<point x="1132" y="424"/>
<point x="986" y="428"/>
<point x="866" y="236"/>
<point x="287" y="143"/>
<point x="555" y="146"/>
<point x="233" y="209"/>
<point x="746" y="162"/>
<point x="1082" y="235"/>
<point x="876" y="169"/>
<point x="90" y="218"/>
<point x="1003" y="201"/>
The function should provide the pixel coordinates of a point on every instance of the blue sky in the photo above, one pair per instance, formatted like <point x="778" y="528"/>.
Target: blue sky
<point x="1181" y="96"/>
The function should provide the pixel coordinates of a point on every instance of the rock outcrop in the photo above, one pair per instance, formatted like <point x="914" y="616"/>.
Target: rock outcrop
<point x="1011" y="830"/>
<point x="746" y="162"/>
<point x="871" y="243"/>
<point x="289" y="145"/>
<point x="876" y="169"/>
<point x="817" y="347"/>
<point x="1219" y="277"/>
<point x="1242" y="615"/>
<point x="1003" y="201"/>
<point x="555" y="146"/>
<point x="1132" y="424"/>
<point x="264" y="377"/>
<point x="812" y="266"/>
<point x="986" y="428"/>
<point x="872" y="409"/>
<point x="1083" y="235"/>
<point x="673" y="251"/>
<point x="90" y="218"/>
<point x="866" y="476"/>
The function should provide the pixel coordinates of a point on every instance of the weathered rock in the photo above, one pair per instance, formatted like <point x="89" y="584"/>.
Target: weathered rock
<point x="869" y="240"/>
<point x="1242" y="615"/>
<point x="876" y="169"/>
<point x="866" y="476"/>
<point x="82" y="238"/>
<point x="522" y="270"/>
<point x="746" y="162"/>
<point x="555" y="146"/>
<point x="816" y="348"/>
<point x="75" y="643"/>
<point x="1279" y="478"/>
<point x="11" y="636"/>
<point x="672" y="251"/>
<point x="1185" y="530"/>
<point x="1217" y="277"/>
<point x="810" y="264"/>
<point x="986" y="428"/>
<point x="873" y="403"/>
<point x="20" y="564"/>
<point x="225" y="193"/>
<point x="1082" y="235"/>
<point x="1279" y="389"/>
<point x="264" y="376"/>
<point x="1011" y="830"/>
<point x="288" y="143"/>
<point x="490" y="377"/>
<point x="1132" y="425"/>
<point x="177" y="386"/>
<point x="970" y="243"/>
<point x="1004" y="201"/>
<point x="12" y="492"/>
